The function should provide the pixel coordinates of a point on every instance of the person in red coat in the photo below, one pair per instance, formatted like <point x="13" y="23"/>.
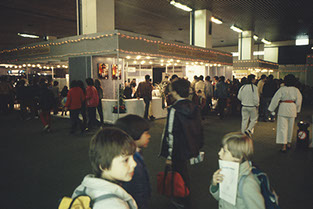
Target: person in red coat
<point x="75" y="98"/>
<point x="92" y="100"/>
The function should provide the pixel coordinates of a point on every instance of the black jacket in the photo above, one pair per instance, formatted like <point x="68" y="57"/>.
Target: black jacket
<point x="46" y="99"/>
<point x="269" y="88"/>
<point x="187" y="131"/>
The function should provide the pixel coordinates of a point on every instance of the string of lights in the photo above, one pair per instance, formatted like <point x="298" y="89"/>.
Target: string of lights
<point x="77" y="40"/>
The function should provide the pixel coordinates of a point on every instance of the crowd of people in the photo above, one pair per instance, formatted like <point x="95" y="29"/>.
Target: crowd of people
<point x="118" y="167"/>
<point x="118" y="163"/>
<point x="40" y="96"/>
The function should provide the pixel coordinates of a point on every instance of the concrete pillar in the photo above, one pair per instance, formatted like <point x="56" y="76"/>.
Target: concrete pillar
<point x="271" y="54"/>
<point x="201" y="28"/>
<point x="245" y="45"/>
<point x="95" y="16"/>
<point x="80" y="68"/>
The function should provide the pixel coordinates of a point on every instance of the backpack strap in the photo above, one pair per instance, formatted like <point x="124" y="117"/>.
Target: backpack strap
<point x="108" y="196"/>
<point x="240" y="185"/>
<point x="101" y="197"/>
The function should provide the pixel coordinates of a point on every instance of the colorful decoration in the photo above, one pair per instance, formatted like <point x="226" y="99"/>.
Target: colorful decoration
<point x="122" y="106"/>
<point x="103" y="71"/>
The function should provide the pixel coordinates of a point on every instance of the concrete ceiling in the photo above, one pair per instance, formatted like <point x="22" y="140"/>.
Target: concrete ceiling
<point x="275" y="20"/>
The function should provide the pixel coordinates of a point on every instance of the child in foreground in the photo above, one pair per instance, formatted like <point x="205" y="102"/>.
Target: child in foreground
<point x="139" y="187"/>
<point x="237" y="147"/>
<point x="111" y="155"/>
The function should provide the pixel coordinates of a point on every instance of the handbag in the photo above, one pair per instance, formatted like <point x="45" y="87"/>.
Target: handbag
<point x="171" y="184"/>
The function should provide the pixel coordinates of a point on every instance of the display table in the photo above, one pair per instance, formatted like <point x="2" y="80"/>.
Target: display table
<point x="133" y="106"/>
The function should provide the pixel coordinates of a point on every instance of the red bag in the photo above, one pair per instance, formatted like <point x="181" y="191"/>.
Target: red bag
<point x="171" y="184"/>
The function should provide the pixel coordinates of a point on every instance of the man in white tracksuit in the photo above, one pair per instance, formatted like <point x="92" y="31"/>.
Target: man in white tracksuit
<point x="289" y="100"/>
<point x="249" y="97"/>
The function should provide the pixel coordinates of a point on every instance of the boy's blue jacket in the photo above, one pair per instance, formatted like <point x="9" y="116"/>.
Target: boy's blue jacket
<point x="139" y="187"/>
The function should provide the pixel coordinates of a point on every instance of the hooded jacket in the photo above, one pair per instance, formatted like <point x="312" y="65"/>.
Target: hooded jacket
<point x="96" y="187"/>
<point x="251" y="197"/>
<point x="186" y="129"/>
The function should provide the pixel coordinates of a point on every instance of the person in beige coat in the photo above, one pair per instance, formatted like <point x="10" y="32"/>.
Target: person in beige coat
<point x="289" y="100"/>
<point x="238" y="147"/>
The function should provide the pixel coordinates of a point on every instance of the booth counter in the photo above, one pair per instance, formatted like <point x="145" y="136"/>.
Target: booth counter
<point x="133" y="106"/>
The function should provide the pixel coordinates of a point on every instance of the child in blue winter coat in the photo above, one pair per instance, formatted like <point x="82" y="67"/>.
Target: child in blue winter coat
<point x="139" y="187"/>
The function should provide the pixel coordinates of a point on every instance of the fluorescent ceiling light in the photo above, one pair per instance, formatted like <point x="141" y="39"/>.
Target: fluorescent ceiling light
<point x="27" y="35"/>
<point x="258" y="53"/>
<point x="302" y="41"/>
<point x="181" y="6"/>
<point x="215" y="20"/>
<point x="255" y="53"/>
<point x="235" y="54"/>
<point x="255" y="37"/>
<point x="234" y="28"/>
<point x="266" y="41"/>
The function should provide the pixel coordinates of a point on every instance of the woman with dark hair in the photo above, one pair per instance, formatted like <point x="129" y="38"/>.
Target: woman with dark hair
<point x="75" y="98"/>
<point x="83" y="110"/>
<point x="100" y="94"/>
<point x="289" y="100"/>
<point x="92" y="101"/>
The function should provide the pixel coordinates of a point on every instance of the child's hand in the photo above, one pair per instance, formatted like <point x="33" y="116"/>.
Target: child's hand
<point x="217" y="177"/>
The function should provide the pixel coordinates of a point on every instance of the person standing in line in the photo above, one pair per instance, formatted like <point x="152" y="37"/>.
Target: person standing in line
<point x="21" y="92"/>
<point x="133" y="87"/>
<point x="127" y="90"/>
<point x="92" y="101"/>
<point x="55" y="90"/>
<point x="221" y="93"/>
<point x="74" y="101"/>
<point x="100" y="95"/>
<point x="5" y="90"/>
<point x="144" y="91"/>
<point x="139" y="187"/>
<point x="289" y="100"/>
<point x="163" y="85"/>
<point x="208" y="91"/>
<point x="46" y="99"/>
<point x="193" y="83"/>
<point x="248" y="95"/>
<point x="237" y="147"/>
<point x="262" y="109"/>
<point x="182" y="137"/>
<point x="63" y="95"/>
<point x="269" y="89"/>
<point x="83" y="110"/>
<point x="215" y="81"/>
<point x="199" y="87"/>
<point x="168" y="97"/>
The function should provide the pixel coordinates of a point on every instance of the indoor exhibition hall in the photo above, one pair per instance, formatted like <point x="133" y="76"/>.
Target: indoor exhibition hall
<point x="156" y="104"/>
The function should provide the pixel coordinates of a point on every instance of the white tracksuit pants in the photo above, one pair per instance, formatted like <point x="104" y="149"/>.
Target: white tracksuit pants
<point x="249" y="113"/>
<point x="284" y="130"/>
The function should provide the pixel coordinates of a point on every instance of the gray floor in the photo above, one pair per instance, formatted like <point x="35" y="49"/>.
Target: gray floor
<point x="41" y="168"/>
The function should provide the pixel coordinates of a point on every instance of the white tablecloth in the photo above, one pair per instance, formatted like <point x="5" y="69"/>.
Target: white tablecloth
<point x="133" y="106"/>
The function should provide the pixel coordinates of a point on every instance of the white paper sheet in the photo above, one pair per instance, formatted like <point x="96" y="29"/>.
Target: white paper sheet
<point x="228" y="188"/>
